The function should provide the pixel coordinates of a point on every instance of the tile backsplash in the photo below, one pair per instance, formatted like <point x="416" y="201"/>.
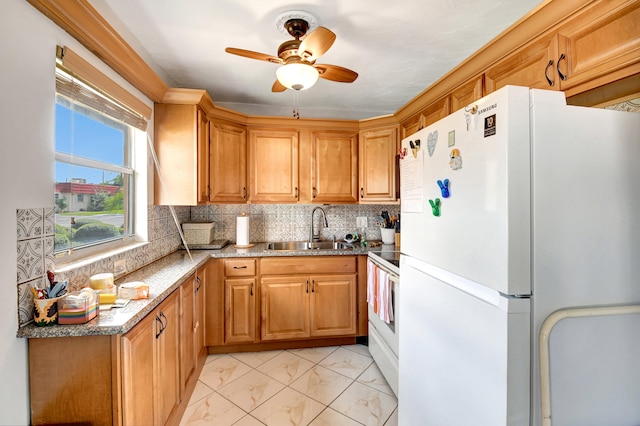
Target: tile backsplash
<point x="269" y="222"/>
<point x="291" y="222"/>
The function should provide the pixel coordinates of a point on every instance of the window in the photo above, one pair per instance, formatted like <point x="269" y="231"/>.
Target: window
<point x="94" y="175"/>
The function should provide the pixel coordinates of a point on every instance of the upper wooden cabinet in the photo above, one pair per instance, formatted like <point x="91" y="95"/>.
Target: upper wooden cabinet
<point x="228" y="163"/>
<point x="532" y="67"/>
<point x="467" y="93"/>
<point x="377" y="158"/>
<point x="181" y="144"/>
<point x="334" y="167"/>
<point x="273" y="165"/>
<point x="598" y="45"/>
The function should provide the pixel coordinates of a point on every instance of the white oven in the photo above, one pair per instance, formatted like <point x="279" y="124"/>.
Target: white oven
<point x="383" y="337"/>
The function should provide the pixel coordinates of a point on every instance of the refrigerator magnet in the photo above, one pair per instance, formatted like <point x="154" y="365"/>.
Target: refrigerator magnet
<point x="455" y="161"/>
<point x="435" y="206"/>
<point x="452" y="138"/>
<point x="432" y="139"/>
<point x="402" y="153"/>
<point x="415" y="147"/>
<point x="444" y="188"/>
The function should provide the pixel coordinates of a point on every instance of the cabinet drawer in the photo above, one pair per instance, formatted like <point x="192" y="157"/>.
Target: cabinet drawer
<point x="308" y="265"/>
<point x="240" y="267"/>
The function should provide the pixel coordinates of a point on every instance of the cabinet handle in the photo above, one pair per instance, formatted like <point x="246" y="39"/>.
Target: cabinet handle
<point x="251" y="290"/>
<point x="166" y="321"/>
<point x="296" y="194"/>
<point x="562" y="76"/>
<point x="199" y="283"/>
<point x="546" y="73"/>
<point x="159" y="332"/>
<point x="315" y="192"/>
<point x="307" y="286"/>
<point x="313" y="286"/>
<point x="240" y="267"/>
<point x="361" y="192"/>
<point x="209" y="192"/>
<point x="244" y="192"/>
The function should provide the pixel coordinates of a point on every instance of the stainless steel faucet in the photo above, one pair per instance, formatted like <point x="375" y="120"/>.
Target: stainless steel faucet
<point x="312" y="235"/>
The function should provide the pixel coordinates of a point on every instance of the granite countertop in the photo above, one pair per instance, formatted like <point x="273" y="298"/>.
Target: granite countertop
<point x="163" y="277"/>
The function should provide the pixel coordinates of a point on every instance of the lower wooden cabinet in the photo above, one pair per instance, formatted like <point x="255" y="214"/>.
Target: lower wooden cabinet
<point x="137" y="378"/>
<point x="240" y="310"/>
<point x="320" y="304"/>
<point x="157" y="335"/>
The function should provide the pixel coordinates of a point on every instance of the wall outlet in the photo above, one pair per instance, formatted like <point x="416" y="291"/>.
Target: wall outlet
<point x="361" y="222"/>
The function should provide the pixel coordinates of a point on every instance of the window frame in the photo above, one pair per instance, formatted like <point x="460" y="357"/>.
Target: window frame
<point x="132" y="176"/>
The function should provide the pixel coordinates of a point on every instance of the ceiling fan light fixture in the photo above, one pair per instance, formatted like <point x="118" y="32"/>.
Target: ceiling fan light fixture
<point x="297" y="76"/>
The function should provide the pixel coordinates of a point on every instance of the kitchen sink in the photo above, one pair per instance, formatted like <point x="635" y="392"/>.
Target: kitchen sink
<point x="305" y="245"/>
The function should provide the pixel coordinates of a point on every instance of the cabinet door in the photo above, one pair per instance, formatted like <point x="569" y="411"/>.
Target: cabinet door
<point x="467" y="93"/>
<point x="602" y="42"/>
<point x="240" y="310"/>
<point x="533" y="66"/>
<point x="167" y="358"/>
<point x="412" y="125"/>
<point x="138" y="349"/>
<point x="273" y="166"/>
<point x="228" y="163"/>
<point x="179" y="140"/>
<point x="436" y="111"/>
<point x="187" y="323"/>
<point x="377" y="165"/>
<point x="199" y="316"/>
<point x="333" y="305"/>
<point x="334" y="174"/>
<point x="204" y="191"/>
<point x="285" y="307"/>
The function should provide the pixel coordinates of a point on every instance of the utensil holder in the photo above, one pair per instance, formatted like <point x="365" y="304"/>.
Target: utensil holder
<point x="388" y="235"/>
<point x="45" y="311"/>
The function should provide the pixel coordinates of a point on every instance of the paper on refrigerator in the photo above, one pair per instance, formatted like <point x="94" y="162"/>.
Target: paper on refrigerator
<point x="412" y="183"/>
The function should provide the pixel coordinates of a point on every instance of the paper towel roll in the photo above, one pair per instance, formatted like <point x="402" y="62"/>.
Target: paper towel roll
<point x="242" y="231"/>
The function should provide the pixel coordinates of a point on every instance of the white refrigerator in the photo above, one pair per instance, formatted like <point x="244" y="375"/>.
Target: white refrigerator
<point x="513" y="208"/>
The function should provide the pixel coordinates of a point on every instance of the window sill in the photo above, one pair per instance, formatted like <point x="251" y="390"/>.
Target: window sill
<point x="79" y="260"/>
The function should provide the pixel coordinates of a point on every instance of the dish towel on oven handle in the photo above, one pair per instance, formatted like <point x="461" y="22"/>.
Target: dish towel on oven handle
<point x="379" y="292"/>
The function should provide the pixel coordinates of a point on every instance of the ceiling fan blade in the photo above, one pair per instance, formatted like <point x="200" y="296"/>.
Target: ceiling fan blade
<point x="336" y="73"/>
<point x="254" y="55"/>
<point x="316" y="43"/>
<point x="278" y="87"/>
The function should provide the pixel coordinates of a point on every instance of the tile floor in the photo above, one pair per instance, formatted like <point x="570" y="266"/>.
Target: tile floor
<point x="332" y="386"/>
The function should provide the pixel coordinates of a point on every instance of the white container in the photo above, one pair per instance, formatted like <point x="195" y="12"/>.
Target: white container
<point x="198" y="233"/>
<point x="388" y="235"/>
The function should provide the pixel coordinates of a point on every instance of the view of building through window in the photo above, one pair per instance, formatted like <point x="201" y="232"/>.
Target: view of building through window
<point x="93" y="177"/>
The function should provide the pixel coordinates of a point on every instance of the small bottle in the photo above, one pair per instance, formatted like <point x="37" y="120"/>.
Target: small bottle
<point x="363" y="237"/>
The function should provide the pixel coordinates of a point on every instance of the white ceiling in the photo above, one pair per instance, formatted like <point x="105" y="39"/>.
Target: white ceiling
<point x="398" y="47"/>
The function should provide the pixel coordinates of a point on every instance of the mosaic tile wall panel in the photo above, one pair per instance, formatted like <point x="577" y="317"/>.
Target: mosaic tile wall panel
<point x="631" y="106"/>
<point x="290" y="222"/>
<point x="35" y="240"/>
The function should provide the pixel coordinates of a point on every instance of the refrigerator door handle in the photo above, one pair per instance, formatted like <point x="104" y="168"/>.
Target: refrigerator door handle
<point x="506" y="303"/>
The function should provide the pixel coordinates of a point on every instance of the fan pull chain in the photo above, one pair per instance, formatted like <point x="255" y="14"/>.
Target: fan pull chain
<point x="296" y="113"/>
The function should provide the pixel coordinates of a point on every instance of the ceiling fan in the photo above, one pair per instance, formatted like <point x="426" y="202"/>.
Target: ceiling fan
<point x="299" y="70"/>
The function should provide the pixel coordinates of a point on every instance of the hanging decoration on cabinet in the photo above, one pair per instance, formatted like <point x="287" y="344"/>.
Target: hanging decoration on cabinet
<point x="432" y="139"/>
<point x="415" y="147"/>
<point x="435" y="206"/>
<point x="455" y="161"/>
<point x="444" y="188"/>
